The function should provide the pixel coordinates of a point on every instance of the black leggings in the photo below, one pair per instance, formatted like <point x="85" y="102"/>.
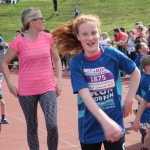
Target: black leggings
<point x="119" y="145"/>
<point x="49" y="106"/>
<point x="55" y="5"/>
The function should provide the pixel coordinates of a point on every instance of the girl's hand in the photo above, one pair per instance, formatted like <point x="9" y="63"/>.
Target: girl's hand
<point x="112" y="131"/>
<point x="136" y="126"/>
<point x="13" y="90"/>
<point x="58" y="88"/>
<point x="127" y="108"/>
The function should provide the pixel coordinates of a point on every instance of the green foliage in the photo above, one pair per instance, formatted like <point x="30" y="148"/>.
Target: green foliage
<point x="113" y="13"/>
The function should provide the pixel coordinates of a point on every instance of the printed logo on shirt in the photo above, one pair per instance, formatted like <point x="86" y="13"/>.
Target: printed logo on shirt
<point x="101" y="83"/>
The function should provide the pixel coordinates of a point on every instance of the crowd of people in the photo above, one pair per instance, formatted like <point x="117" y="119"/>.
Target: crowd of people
<point x="94" y="61"/>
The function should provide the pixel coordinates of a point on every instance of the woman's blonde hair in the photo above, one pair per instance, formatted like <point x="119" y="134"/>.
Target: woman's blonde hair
<point x="104" y="35"/>
<point x="28" y="15"/>
<point x="65" y="35"/>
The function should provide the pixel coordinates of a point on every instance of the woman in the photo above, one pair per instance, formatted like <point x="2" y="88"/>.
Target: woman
<point x="104" y="39"/>
<point x="36" y="80"/>
<point x="95" y="77"/>
<point x="141" y="37"/>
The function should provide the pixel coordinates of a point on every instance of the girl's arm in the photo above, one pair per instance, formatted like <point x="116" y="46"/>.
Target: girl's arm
<point x="111" y="129"/>
<point x="10" y="54"/>
<point x="138" y="98"/>
<point x="134" y="83"/>
<point x="57" y="63"/>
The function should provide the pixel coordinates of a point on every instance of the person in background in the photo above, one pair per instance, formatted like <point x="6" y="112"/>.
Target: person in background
<point x="120" y="38"/>
<point x="76" y="11"/>
<point x="95" y="78"/>
<point x="55" y="4"/>
<point x="136" y="125"/>
<point x="130" y="45"/>
<point x="144" y="86"/>
<point x="2" y="104"/>
<point x="13" y="1"/>
<point x="3" y="44"/>
<point x="104" y="39"/>
<point x="135" y="29"/>
<point x="141" y="36"/>
<point x="36" y="78"/>
<point x="142" y="50"/>
<point x="17" y="33"/>
<point x="122" y="29"/>
<point x="148" y="38"/>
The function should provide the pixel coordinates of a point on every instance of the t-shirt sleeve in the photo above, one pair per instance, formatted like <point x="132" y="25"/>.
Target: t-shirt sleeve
<point x="50" y="38"/>
<point x="147" y="96"/>
<point x="14" y="44"/>
<point x="125" y="63"/>
<point x="77" y="77"/>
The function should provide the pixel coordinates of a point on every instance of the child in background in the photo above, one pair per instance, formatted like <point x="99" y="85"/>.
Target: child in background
<point x="76" y="11"/>
<point x="2" y="104"/>
<point x="142" y="50"/>
<point x="144" y="86"/>
<point x="136" y="125"/>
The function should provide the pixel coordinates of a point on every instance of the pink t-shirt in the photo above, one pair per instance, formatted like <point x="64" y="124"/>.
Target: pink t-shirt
<point x="35" y="67"/>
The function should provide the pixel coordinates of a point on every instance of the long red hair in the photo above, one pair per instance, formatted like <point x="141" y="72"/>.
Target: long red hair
<point x="65" y="35"/>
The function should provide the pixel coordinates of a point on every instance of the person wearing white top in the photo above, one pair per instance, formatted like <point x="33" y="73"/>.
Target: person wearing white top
<point x="130" y="45"/>
<point x="104" y="39"/>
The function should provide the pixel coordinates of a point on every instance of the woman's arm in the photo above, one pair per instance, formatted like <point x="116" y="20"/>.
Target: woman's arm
<point x="111" y="129"/>
<point x="134" y="83"/>
<point x="58" y="66"/>
<point x="10" y="54"/>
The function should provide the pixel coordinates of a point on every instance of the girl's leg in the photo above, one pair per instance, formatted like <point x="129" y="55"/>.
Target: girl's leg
<point x="48" y="103"/>
<point x="3" y="111"/>
<point x="119" y="145"/>
<point x="147" y="139"/>
<point x="96" y="146"/>
<point x="29" y="107"/>
<point x="3" y="108"/>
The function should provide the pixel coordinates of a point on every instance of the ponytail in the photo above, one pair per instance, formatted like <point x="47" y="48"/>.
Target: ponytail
<point x="65" y="40"/>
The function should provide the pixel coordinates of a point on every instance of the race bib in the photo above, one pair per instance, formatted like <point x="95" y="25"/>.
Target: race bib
<point x="99" y="79"/>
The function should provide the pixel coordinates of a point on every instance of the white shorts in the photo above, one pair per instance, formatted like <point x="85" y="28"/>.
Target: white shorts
<point x="147" y="125"/>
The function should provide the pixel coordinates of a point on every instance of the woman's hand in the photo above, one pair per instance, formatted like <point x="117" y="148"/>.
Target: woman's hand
<point x="58" y="88"/>
<point x="13" y="89"/>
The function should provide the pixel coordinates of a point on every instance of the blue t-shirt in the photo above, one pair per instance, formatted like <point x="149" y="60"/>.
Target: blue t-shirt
<point x="2" y="47"/>
<point x="137" y="62"/>
<point x="144" y="86"/>
<point x="102" y="78"/>
<point x="147" y="97"/>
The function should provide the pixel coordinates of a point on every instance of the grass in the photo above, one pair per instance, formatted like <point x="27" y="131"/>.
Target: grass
<point x="113" y="13"/>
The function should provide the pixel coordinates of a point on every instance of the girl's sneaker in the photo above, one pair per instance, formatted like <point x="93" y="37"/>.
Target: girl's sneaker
<point x="143" y="134"/>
